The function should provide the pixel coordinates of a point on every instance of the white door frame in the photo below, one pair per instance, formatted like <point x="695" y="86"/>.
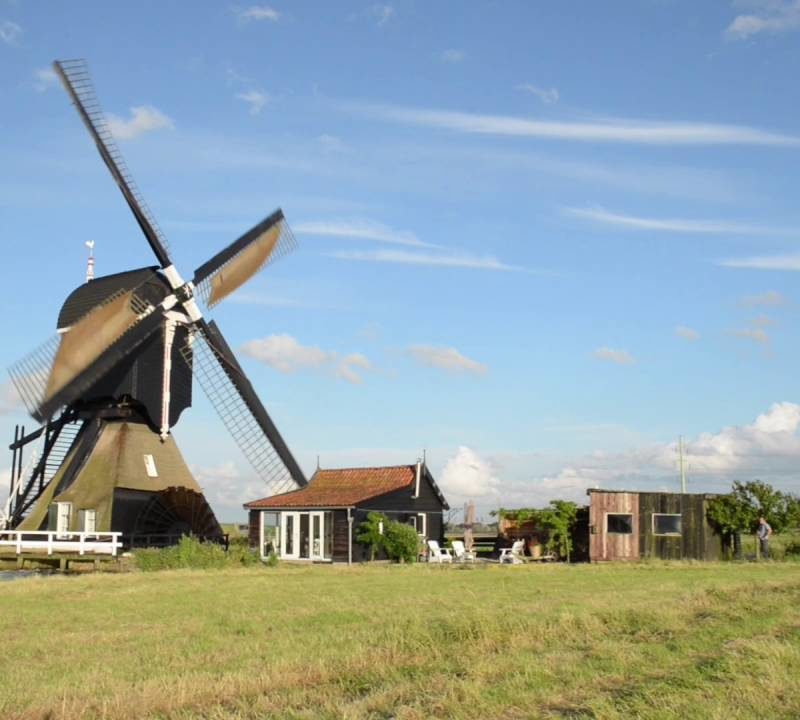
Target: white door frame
<point x="295" y="555"/>
<point x="317" y="551"/>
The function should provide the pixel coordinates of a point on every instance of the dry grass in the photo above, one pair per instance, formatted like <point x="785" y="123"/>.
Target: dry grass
<point x="651" y="640"/>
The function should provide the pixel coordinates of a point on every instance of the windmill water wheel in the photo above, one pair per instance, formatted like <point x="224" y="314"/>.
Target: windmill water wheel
<point x="173" y="512"/>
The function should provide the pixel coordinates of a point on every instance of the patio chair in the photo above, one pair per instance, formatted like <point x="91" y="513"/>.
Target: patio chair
<point x="460" y="553"/>
<point x="437" y="554"/>
<point x="515" y="554"/>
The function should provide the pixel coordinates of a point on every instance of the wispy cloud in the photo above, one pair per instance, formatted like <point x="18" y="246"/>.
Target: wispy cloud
<point x="10" y="400"/>
<point x="144" y="118"/>
<point x="255" y="99"/>
<point x="258" y="13"/>
<point x="404" y="257"/>
<point x="617" y="130"/>
<point x="771" y="298"/>
<point x="44" y="78"/>
<point x="382" y="12"/>
<point x="361" y="229"/>
<point x="10" y="32"/>
<point x="547" y="96"/>
<point x="772" y="17"/>
<point x="452" y="56"/>
<point x="754" y="334"/>
<point x="447" y="359"/>
<point x="618" y="357"/>
<point x="286" y="355"/>
<point x="687" y="333"/>
<point x="790" y="262"/>
<point x="675" y="225"/>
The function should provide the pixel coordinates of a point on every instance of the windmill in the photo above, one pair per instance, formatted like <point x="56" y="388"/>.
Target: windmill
<point x="108" y="388"/>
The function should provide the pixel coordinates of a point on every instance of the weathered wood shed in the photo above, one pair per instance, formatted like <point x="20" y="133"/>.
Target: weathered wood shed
<point x="627" y="525"/>
<point x="320" y="522"/>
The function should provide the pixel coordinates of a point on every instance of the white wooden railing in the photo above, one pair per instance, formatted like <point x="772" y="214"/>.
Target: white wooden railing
<point x="96" y="543"/>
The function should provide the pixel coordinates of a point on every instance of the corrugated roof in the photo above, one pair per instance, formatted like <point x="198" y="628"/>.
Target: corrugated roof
<point x="342" y="487"/>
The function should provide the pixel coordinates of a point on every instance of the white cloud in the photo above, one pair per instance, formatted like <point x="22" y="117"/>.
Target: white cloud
<point x="10" y="32"/>
<point x="361" y="229"/>
<point x="676" y="225"/>
<point x="260" y="12"/>
<point x="467" y="475"/>
<point x="755" y="334"/>
<point x="618" y="357"/>
<point x="286" y="355"/>
<point x="547" y="96"/>
<point x="687" y="333"/>
<point x="773" y="17"/>
<point x="348" y="367"/>
<point x="382" y="12"/>
<point x="44" y="78"/>
<point x="452" y="56"/>
<point x="615" y="130"/>
<point x="255" y="99"/>
<point x="771" y="298"/>
<point x="790" y="262"/>
<point x="408" y="258"/>
<point x="10" y="401"/>
<point x="144" y="118"/>
<point x="447" y="359"/>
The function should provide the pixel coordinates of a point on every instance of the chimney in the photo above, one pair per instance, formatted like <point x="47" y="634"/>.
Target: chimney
<point x="417" y="478"/>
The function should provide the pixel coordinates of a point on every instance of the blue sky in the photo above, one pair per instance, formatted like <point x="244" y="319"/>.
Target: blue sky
<point x="540" y="240"/>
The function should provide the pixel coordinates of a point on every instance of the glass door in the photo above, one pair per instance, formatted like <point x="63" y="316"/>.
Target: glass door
<point x="290" y="535"/>
<point x="317" y="535"/>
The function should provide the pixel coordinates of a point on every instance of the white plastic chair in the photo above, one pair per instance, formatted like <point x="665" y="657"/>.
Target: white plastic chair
<point x="437" y="554"/>
<point x="515" y="554"/>
<point x="460" y="553"/>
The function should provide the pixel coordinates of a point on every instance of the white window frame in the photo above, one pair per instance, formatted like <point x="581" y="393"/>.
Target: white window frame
<point x="422" y="528"/>
<point x="670" y="534"/>
<point x="150" y="466"/>
<point x="88" y="520"/>
<point x="61" y="531"/>
<point x="612" y="532"/>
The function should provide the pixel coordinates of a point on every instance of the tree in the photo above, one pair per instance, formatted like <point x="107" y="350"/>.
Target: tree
<point x="558" y="519"/>
<point x="370" y="532"/>
<point x="739" y="510"/>
<point x="401" y="542"/>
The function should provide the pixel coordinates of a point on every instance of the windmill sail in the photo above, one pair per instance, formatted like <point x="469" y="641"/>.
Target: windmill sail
<point x="240" y="409"/>
<point x="74" y="75"/>
<point x="229" y="269"/>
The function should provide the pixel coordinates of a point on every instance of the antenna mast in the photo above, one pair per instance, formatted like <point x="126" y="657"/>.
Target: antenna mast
<point x="681" y="464"/>
<point x="90" y="262"/>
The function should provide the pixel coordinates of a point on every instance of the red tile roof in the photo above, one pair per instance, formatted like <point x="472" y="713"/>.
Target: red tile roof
<point x="342" y="488"/>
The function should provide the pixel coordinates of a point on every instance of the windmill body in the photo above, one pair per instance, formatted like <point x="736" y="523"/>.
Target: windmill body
<point x="117" y="376"/>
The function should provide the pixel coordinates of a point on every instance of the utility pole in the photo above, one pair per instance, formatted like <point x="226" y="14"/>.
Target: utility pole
<point x="682" y="466"/>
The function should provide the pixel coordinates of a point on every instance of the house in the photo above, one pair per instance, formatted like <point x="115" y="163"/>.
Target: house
<point x="321" y="521"/>
<point x="632" y="525"/>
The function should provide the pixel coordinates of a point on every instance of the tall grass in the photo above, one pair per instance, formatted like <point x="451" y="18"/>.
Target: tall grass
<point x="190" y="553"/>
<point x="656" y="640"/>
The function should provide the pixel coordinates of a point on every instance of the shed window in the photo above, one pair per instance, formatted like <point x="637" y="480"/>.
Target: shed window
<point x="666" y="524"/>
<point x="422" y="524"/>
<point x="619" y="523"/>
<point x="150" y="466"/>
<point x="87" y="519"/>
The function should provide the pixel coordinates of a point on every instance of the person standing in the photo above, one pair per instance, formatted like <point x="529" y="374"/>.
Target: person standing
<point x="763" y="533"/>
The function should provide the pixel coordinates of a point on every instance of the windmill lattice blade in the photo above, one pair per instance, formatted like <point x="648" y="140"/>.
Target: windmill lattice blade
<point x="241" y="411"/>
<point x="228" y="270"/>
<point x="74" y="75"/>
<point x="68" y="364"/>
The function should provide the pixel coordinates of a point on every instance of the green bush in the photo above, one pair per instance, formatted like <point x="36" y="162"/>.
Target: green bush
<point x="401" y="542"/>
<point x="191" y="553"/>
<point x="792" y="550"/>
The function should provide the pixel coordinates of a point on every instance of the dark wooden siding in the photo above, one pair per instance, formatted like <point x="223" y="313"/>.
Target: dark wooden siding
<point x="254" y="532"/>
<point x="697" y="540"/>
<point x="340" y="535"/>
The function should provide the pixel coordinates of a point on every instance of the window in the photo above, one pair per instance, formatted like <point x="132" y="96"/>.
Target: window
<point x="666" y="524"/>
<point x="619" y="523"/>
<point x="87" y="520"/>
<point x="422" y="524"/>
<point x="271" y="533"/>
<point x="150" y="466"/>
<point x="58" y="517"/>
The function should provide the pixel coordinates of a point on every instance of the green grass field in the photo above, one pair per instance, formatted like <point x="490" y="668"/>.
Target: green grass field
<point x="551" y="641"/>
